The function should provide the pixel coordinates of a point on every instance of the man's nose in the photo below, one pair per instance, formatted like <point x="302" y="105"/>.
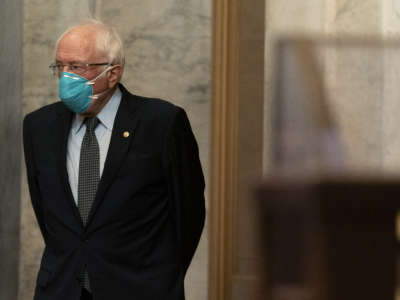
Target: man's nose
<point x="65" y="68"/>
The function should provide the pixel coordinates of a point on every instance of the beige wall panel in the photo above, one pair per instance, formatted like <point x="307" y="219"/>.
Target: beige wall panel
<point x="362" y="17"/>
<point x="357" y="77"/>
<point x="391" y="91"/>
<point x="294" y="16"/>
<point x="391" y="17"/>
<point x="355" y="96"/>
<point x="283" y="18"/>
<point x="355" y="82"/>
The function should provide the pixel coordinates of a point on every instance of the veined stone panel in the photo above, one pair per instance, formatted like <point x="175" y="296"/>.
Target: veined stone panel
<point x="294" y="17"/>
<point x="362" y="17"/>
<point x="283" y="18"/>
<point x="391" y="89"/>
<point x="357" y="75"/>
<point x="391" y="18"/>
<point x="367" y="92"/>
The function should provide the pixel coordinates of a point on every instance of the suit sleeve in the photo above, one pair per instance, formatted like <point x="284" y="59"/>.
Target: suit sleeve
<point x="186" y="186"/>
<point x="32" y="178"/>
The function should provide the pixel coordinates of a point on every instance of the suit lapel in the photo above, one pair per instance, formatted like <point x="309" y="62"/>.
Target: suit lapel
<point x="122" y="135"/>
<point x="61" y="132"/>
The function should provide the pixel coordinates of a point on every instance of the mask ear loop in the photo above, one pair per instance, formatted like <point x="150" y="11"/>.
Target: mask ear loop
<point x="98" y="95"/>
<point x="91" y="82"/>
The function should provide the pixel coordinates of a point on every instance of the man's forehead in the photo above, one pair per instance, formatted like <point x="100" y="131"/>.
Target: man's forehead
<point x="76" y="46"/>
<point x="78" y="40"/>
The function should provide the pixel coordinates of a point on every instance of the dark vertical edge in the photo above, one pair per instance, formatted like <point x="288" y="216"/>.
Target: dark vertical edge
<point x="10" y="144"/>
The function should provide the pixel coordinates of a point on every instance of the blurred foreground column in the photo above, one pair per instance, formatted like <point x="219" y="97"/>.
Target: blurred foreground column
<point x="10" y="144"/>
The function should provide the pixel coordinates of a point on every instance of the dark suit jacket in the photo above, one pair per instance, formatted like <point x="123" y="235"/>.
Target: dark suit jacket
<point x="148" y="214"/>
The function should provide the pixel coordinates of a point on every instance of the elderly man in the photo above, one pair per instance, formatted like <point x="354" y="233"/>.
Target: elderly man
<point x="115" y="180"/>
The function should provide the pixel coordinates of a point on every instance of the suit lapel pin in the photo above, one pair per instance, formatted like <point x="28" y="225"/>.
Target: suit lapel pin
<point x="126" y="134"/>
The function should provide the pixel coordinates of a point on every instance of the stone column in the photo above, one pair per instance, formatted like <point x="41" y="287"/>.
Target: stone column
<point x="10" y="144"/>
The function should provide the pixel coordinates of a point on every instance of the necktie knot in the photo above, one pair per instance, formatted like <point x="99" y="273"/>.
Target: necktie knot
<point x="91" y="123"/>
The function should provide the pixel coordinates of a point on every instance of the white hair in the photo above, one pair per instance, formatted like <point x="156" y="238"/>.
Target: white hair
<point x="108" y="41"/>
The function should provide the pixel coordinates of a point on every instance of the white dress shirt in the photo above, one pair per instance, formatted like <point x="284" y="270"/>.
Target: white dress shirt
<point x="103" y="134"/>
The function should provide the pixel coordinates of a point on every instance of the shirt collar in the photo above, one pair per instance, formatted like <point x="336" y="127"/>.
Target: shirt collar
<point x="106" y="116"/>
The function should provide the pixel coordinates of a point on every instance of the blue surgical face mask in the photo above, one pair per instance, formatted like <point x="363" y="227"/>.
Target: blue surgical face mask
<point x="77" y="92"/>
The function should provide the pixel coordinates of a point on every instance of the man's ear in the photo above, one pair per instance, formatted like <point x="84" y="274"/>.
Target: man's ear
<point x="114" y="75"/>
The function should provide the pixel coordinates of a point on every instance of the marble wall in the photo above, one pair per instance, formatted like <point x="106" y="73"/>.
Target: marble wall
<point x="283" y="18"/>
<point x="10" y="146"/>
<point x="391" y="89"/>
<point x="167" y="56"/>
<point x="361" y="81"/>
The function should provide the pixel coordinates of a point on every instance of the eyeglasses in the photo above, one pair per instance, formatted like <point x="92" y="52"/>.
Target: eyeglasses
<point x="76" y="68"/>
